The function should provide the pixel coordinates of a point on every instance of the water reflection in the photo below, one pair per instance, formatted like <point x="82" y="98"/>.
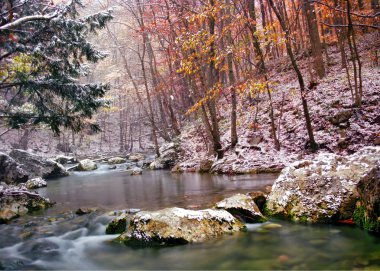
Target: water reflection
<point x="152" y="190"/>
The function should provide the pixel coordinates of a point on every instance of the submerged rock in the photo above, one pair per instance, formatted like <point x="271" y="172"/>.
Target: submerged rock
<point x="36" y="183"/>
<point x="37" y="166"/>
<point x="243" y="207"/>
<point x="116" y="160"/>
<point x="330" y="188"/>
<point x="10" y="171"/>
<point x="87" y="165"/>
<point x="16" y="201"/>
<point x="174" y="226"/>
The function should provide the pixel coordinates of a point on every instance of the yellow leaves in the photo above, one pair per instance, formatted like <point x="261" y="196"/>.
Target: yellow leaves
<point x="211" y="95"/>
<point x="21" y="65"/>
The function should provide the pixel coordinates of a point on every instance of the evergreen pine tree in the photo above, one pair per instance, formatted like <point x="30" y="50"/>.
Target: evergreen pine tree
<point x="44" y="51"/>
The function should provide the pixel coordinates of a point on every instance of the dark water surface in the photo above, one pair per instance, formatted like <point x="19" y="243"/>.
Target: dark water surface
<point x="60" y="239"/>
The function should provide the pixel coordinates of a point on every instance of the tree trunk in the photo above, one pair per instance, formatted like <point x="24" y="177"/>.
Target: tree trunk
<point x="313" y="144"/>
<point x="315" y="41"/>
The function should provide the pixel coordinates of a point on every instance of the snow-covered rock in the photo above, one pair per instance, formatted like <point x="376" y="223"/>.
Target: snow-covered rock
<point x="63" y="159"/>
<point x="116" y="160"/>
<point x="179" y="226"/>
<point x="243" y="207"/>
<point x="168" y="157"/>
<point x="87" y="165"/>
<point x="37" y="166"/>
<point x="36" y="183"/>
<point x="136" y="157"/>
<point x="10" y="171"/>
<point x="16" y="201"/>
<point x="330" y="188"/>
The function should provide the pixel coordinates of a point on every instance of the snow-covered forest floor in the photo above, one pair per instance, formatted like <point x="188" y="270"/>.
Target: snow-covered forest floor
<point x="338" y="127"/>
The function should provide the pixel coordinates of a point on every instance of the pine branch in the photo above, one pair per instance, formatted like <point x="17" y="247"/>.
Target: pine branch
<point x="25" y="19"/>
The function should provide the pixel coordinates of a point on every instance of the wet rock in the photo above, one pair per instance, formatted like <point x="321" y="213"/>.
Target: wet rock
<point x="87" y="165"/>
<point x="136" y="171"/>
<point x="10" y="171"/>
<point x="330" y="188"/>
<point x="112" y="167"/>
<point x="117" y="225"/>
<point x="85" y="211"/>
<point x="36" y="183"/>
<point x="243" y="207"/>
<point x="136" y="157"/>
<point x="116" y="160"/>
<point x="16" y="201"/>
<point x="174" y="226"/>
<point x="168" y="157"/>
<point x="341" y="117"/>
<point x="37" y="166"/>
<point x="63" y="159"/>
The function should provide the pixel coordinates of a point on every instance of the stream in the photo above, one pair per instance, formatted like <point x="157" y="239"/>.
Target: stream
<point x="57" y="238"/>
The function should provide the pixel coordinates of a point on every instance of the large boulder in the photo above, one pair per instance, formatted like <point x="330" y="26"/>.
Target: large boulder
<point x="116" y="160"/>
<point x="329" y="189"/>
<point x="179" y="226"/>
<point x="16" y="201"/>
<point x="10" y="171"/>
<point x="243" y="207"/>
<point x="37" y="166"/>
<point x="87" y="165"/>
<point x="168" y="157"/>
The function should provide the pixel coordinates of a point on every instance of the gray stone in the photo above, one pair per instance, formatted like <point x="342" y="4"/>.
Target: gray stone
<point x="37" y="166"/>
<point x="243" y="207"/>
<point x="179" y="226"/>
<point x="10" y="171"/>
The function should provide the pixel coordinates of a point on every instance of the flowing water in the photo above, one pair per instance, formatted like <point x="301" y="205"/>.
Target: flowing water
<point x="59" y="239"/>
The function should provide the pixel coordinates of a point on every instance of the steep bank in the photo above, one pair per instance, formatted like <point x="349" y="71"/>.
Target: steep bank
<point x="338" y="126"/>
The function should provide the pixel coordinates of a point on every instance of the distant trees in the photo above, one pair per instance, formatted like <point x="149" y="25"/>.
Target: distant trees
<point x="43" y="53"/>
<point x="205" y="55"/>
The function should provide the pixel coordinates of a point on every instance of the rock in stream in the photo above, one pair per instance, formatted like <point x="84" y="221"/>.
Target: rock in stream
<point x="330" y="188"/>
<point x="173" y="226"/>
